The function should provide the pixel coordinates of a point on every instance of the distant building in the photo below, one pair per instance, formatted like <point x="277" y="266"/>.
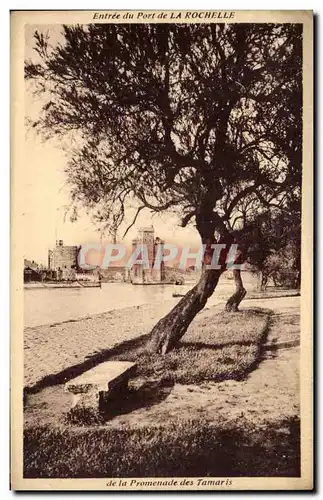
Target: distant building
<point x="62" y="261"/>
<point x="138" y="273"/>
<point x="33" y="271"/>
<point x="31" y="274"/>
<point x="113" y="274"/>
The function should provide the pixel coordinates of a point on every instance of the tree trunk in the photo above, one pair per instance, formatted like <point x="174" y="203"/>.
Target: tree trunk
<point x="170" y="329"/>
<point x="264" y="282"/>
<point x="298" y="270"/>
<point x="235" y="299"/>
<point x="259" y="281"/>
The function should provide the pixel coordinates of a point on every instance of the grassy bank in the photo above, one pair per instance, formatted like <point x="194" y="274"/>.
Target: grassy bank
<point x="190" y="448"/>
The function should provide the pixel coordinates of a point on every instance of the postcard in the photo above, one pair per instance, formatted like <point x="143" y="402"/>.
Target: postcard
<point x="162" y="250"/>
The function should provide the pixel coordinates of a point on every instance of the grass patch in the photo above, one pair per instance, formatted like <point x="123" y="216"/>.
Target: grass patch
<point x="190" y="448"/>
<point x="216" y="347"/>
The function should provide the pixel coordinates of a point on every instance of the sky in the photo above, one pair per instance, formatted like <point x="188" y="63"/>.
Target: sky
<point x="46" y="195"/>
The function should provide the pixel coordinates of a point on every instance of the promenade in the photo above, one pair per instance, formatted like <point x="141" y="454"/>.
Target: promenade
<point x="50" y="349"/>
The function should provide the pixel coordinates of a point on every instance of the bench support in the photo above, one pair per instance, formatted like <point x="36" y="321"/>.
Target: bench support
<point x="94" y="390"/>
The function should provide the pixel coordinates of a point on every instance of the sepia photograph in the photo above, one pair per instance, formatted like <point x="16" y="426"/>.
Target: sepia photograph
<point x="162" y="197"/>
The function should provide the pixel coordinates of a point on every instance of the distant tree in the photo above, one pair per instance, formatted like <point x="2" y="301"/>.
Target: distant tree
<point x="275" y="252"/>
<point x="192" y="119"/>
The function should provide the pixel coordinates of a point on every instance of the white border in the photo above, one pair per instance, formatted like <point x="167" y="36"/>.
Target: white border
<point x="5" y="179"/>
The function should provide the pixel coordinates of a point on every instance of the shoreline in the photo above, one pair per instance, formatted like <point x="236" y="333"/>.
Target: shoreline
<point x="172" y="300"/>
<point x="214" y="300"/>
<point x="51" y="348"/>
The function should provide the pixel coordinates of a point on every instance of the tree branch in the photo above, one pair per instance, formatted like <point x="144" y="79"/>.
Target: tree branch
<point x="134" y="220"/>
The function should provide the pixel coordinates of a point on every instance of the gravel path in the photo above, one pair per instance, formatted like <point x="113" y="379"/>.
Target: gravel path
<point x="49" y="349"/>
<point x="269" y="394"/>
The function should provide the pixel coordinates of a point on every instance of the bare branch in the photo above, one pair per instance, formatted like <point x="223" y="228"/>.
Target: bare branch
<point x="134" y="221"/>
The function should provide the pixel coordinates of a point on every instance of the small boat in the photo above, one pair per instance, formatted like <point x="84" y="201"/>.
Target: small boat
<point x="152" y="283"/>
<point x="64" y="284"/>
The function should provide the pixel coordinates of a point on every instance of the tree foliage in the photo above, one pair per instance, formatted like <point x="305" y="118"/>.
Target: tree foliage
<point x="275" y="251"/>
<point x="197" y="119"/>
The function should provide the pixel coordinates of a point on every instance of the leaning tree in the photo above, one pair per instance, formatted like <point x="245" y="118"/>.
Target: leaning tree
<point x="188" y="118"/>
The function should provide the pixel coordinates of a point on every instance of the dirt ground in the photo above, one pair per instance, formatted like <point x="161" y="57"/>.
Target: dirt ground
<point x="270" y="393"/>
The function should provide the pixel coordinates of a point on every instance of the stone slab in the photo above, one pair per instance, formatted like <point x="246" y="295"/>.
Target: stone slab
<point x="103" y="377"/>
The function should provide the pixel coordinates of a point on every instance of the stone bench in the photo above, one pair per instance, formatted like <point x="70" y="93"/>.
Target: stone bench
<point x="94" y="388"/>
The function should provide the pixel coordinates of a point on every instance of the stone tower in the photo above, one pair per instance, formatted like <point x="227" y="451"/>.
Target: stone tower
<point x="139" y="273"/>
<point x="63" y="260"/>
